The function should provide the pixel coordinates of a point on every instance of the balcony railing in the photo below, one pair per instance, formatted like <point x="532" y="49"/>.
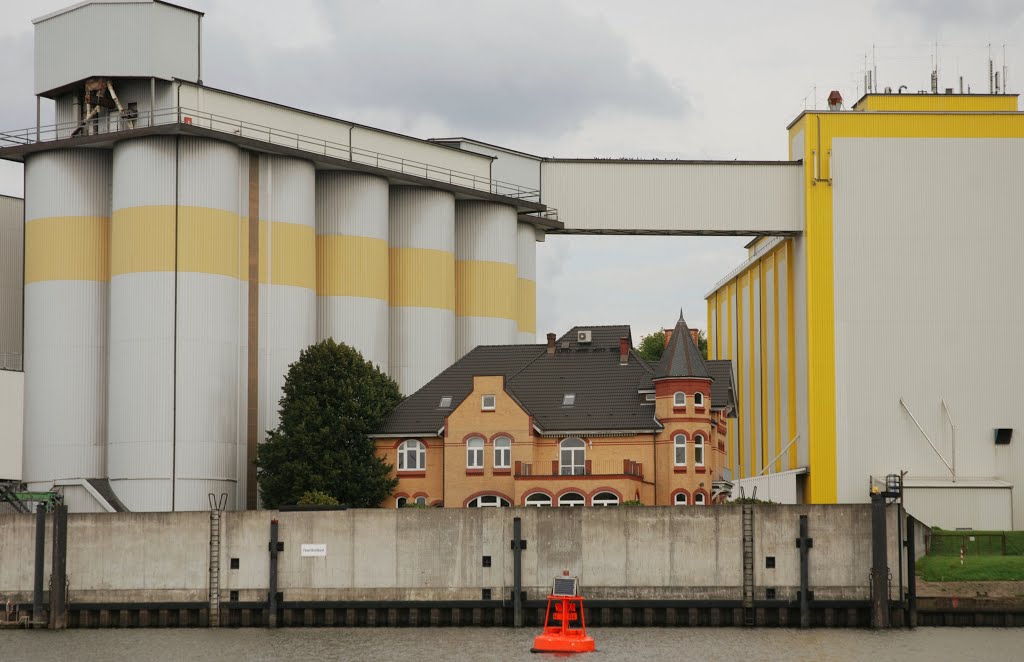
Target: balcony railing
<point x="245" y="129"/>
<point x="553" y="469"/>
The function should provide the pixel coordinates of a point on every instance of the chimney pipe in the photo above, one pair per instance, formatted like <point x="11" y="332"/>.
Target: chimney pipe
<point x="695" y="334"/>
<point x="623" y="351"/>
<point x="551" y="343"/>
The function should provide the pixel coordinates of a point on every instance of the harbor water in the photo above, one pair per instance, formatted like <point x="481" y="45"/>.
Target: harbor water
<point x="482" y="644"/>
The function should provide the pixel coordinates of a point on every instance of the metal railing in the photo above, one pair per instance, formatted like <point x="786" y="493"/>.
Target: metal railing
<point x="115" y="123"/>
<point x="617" y="468"/>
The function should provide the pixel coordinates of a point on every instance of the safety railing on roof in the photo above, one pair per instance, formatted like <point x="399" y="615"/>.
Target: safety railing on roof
<point x="114" y="123"/>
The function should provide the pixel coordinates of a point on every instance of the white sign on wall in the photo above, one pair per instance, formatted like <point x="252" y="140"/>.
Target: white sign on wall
<point x="315" y="549"/>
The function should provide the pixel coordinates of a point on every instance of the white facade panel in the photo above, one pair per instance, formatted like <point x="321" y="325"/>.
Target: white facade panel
<point x="945" y="329"/>
<point x="746" y="405"/>
<point x="755" y="405"/>
<point x="799" y="258"/>
<point x="12" y="272"/>
<point x="360" y="322"/>
<point x="952" y="507"/>
<point x="772" y="446"/>
<point x="421" y="345"/>
<point x="509" y="167"/>
<point x="12" y="416"/>
<point x="526" y="269"/>
<point x="125" y="39"/>
<point x="776" y="487"/>
<point x="485" y="231"/>
<point x="421" y="218"/>
<point x="673" y="197"/>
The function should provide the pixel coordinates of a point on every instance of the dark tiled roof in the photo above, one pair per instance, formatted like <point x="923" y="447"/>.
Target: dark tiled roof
<point x="723" y="389"/>
<point x="606" y="337"/>
<point x="420" y="412"/>
<point x="681" y="357"/>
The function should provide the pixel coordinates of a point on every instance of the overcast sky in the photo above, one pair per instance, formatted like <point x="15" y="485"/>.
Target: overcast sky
<point x="576" y="78"/>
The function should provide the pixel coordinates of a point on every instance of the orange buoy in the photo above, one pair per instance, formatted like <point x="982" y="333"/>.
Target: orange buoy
<point x="565" y="628"/>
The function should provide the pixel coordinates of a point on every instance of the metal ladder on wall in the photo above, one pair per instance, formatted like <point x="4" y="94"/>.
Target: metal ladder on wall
<point x="748" y="564"/>
<point x="216" y="506"/>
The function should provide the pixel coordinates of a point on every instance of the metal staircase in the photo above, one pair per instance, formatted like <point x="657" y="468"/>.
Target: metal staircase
<point x="9" y="493"/>
<point x="748" y="565"/>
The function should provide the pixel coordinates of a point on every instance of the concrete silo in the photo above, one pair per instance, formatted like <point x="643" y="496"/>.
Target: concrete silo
<point x="526" y="285"/>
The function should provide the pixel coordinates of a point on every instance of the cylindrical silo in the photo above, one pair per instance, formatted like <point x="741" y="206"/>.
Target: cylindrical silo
<point x="352" y="262"/>
<point x="67" y="225"/>
<point x="421" y="240"/>
<point x="485" y="275"/>
<point x="211" y="308"/>
<point x="526" y="291"/>
<point x="287" y="256"/>
<point x="143" y="259"/>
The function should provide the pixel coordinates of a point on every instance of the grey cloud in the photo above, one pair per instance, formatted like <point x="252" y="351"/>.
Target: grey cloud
<point x="483" y="68"/>
<point x="935" y="13"/>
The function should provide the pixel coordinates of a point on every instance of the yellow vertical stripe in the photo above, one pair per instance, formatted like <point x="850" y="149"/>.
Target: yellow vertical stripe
<point x="485" y="289"/>
<point x="67" y="248"/>
<point x="352" y="266"/>
<point x="794" y="450"/>
<point x="422" y="277"/>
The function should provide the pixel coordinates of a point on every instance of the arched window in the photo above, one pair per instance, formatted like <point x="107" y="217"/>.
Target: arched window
<point x="421" y="501"/>
<point x="605" y="499"/>
<point x="412" y="456"/>
<point x="502" y="453"/>
<point x="475" y="453"/>
<point x="400" y="502"/>
<point x="571" y="500"/>
<point x="698" y="499"/>
<point x="573" y="457"/>
<point x="698" y="399"/>
<point x="538" y="500"/>
<point x="679" y="441"/>
<point x="698" y="450"/>
<point x="680" y="499"/>
<point x="679" y="399"/>
<point x="488" y="501"/>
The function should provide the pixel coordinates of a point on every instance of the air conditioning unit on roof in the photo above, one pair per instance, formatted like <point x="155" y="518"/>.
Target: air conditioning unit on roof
<point x="583" y="337"/>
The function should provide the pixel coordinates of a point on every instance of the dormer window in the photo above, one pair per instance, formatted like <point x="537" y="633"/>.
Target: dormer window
<point x="569" y="399"/>
<point x="679" y="399"/>
<point x="698" y="399"/>
<point x="446" y="402"/>
<point x="488" y="403"/>
<point x="650" y="397"/>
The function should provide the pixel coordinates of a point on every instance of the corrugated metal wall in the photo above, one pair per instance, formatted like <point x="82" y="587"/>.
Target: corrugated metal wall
<point x="12" y="271"/>
<point x="486" y="282"/>
<point x="67" y="216"/>
<point x="421" y="238"/>
<point x="526" y="289"/>
<point x="672" y="197"/>
<point x="352" y="262"/>
<point x="962" y="507"/>
<point x="930" y="314"/>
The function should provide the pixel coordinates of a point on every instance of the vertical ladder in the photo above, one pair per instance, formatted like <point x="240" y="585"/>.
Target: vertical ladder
<point x="214" y="567"/>
<point x="748" y="564"/>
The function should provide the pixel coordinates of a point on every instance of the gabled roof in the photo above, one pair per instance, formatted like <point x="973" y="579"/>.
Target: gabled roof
<point x="603" y="337"/>
<point x="681" y="357"/>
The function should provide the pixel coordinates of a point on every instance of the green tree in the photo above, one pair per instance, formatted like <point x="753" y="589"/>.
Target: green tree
<point x="317" y="498"/>
<point x="333" y="400"/>
<point x="652" y="346"/>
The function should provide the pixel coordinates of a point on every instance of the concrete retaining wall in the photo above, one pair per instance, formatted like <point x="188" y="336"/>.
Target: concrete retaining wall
<point x="438" y="554"/>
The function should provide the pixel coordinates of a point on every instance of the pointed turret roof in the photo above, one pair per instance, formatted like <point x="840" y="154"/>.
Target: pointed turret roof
<point x="682" y="357"/>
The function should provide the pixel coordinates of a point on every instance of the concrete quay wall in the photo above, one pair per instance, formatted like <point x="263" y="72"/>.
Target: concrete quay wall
<point x="437" y="555"/>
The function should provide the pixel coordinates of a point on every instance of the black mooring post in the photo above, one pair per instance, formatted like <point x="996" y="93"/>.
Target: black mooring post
<point x="911" y="576"/>
<point x="59" y="570"/>
<point x="879" y="565"/>
<point x="517" y="572"/>
<point x="272" y="594"/>
<point x="37" y="586"/>
<point x="804" y="543"/>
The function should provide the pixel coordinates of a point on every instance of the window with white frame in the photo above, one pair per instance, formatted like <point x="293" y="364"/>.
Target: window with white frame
<point x="679" y="399"/>
<point x="680" y="499"/>
<point x="679" y="441"/>
<point x="400" y="502"/>
<point x="489" y="501"/>
<point x="650" y="397"/>
<point x="605" y="499"/>
<point x="475" y="453"/>
<point x="698" y="450"/>
<point x="502" y="453"/>
<point x="698" y="399"/>
<point x="488" y="403"/>
<point x="538" y="500"/>
<point x="698" y="499"/>
<point x="572" y="457"/>
<point x="412" y="455"/>
<point x="571" y="500"/>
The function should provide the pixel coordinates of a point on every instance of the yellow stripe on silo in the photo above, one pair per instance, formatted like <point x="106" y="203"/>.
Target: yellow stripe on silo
<point x="526" y="305"/>
<point x="67" y="248"/>
<point x="288" y="251"/>
<point x="421" y="277"/>
<point x="212" y="241"/>
<point x="485" y="289"/>
<point x="352" y="266"/>
<point x="142" y="239"/>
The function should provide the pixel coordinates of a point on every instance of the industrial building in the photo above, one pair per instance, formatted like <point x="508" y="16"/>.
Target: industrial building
<point x="580" y="421"/>
<point x="182" y="243"/>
